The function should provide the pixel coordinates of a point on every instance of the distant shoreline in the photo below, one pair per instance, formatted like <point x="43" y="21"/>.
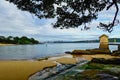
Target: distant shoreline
<point x="6" y="44"/>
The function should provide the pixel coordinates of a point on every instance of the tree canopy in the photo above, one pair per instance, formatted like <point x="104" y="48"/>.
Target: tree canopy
<point x="18" y="40"/>
<point x="70" y="13"/>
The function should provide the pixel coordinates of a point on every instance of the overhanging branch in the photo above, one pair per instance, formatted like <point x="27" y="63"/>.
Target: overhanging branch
<point x="109" y="27"/>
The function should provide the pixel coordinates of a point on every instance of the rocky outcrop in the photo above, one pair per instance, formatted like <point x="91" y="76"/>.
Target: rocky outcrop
<point x="68" y="52"/>
<point x="80" y="52"/>
<point x="115" y="53"/>
<point x="115" y="61"/>
<point x="49" y="72"/>
<point x="92" y="51"/>
<point x="99" y="51"/>
<point x="91" y="71"/>
<point x="52" y="73"/>
<point x="96" y="75"/>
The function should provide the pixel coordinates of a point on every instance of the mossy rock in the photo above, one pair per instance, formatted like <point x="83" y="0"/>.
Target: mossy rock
<point x="94" y="66"/>
<point x="116" y="53"/>
<point x="99" y="51"/>
<point x="96" y="75"/>
<point x="80" y="52"/>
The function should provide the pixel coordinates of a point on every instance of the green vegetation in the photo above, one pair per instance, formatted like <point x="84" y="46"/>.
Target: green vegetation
<point x="18" y="40"/>
<point x="92" y="66"/>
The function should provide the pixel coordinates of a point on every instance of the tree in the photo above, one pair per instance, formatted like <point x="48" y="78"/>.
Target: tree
<point x="2" y="39"/>
<point x="34" y="41"/>
<point x="70" y="13"/>
<point x="9" y="39"/>
<point x="17" y="40"/>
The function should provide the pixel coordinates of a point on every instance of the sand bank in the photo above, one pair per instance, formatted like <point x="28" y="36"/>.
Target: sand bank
<point x="21" y="70"/>
<point x="66" y="60"/>
<point x="2" y="44"/>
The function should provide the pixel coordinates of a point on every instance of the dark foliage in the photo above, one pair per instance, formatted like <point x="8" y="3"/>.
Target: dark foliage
<point x="70" y="13"/>
<point x="17" y="40"/>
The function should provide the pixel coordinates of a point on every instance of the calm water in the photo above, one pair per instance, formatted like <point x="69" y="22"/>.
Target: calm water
<point x="43" y="50"/>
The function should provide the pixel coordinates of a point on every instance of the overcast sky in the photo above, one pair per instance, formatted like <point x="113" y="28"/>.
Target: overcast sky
<point x="14" y="22"/>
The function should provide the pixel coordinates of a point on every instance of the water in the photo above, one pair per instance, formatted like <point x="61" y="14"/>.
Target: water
<point x="43" y="50"/>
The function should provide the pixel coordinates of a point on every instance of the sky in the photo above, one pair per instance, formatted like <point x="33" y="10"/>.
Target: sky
<point x="14" y="22"/>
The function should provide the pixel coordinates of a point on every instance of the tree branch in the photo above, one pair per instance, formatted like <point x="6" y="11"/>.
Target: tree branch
<point x="117" y="9"/>
<point x="110" y="26"/>
<point x="110" y="5"/>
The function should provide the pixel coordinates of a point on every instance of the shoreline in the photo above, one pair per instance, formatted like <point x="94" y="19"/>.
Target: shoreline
<point x="10" y="68"/>
<point x="5" y="44"/>
<point x="30" y="67"/>
<point x="23" y="69"/>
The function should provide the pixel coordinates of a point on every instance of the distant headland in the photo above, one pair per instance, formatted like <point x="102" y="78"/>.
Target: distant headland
<point x="17" y="40"/>
<point x="85" y="41"/>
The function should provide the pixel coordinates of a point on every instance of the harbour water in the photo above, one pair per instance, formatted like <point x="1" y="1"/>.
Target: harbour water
<point x="43" y="50"/>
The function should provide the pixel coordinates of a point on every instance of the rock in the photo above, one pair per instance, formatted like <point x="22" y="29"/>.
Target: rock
<point x="68" y="52"/>
<point x="40" y="59"/>
<point x="116" y="53"/>
<point x="98" y="60"/>
<point x="115" y="70"/>
<point x="94" y="66"/>
<point x="50" y="72"/>
<point x="92" y="51"/>
<point x="95" y="74"/>
<point x="105" y="76"/>
<point x="80" y="52"/>
<point x="115" y="61"/>
<point x="99" y="51"/>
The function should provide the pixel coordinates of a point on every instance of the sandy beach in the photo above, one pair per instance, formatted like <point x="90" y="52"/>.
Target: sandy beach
<point x="22" y="70"/>
<point x="2" y="44"/>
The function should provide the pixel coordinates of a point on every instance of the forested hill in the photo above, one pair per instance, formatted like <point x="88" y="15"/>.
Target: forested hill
<point x="18" y="40"/>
